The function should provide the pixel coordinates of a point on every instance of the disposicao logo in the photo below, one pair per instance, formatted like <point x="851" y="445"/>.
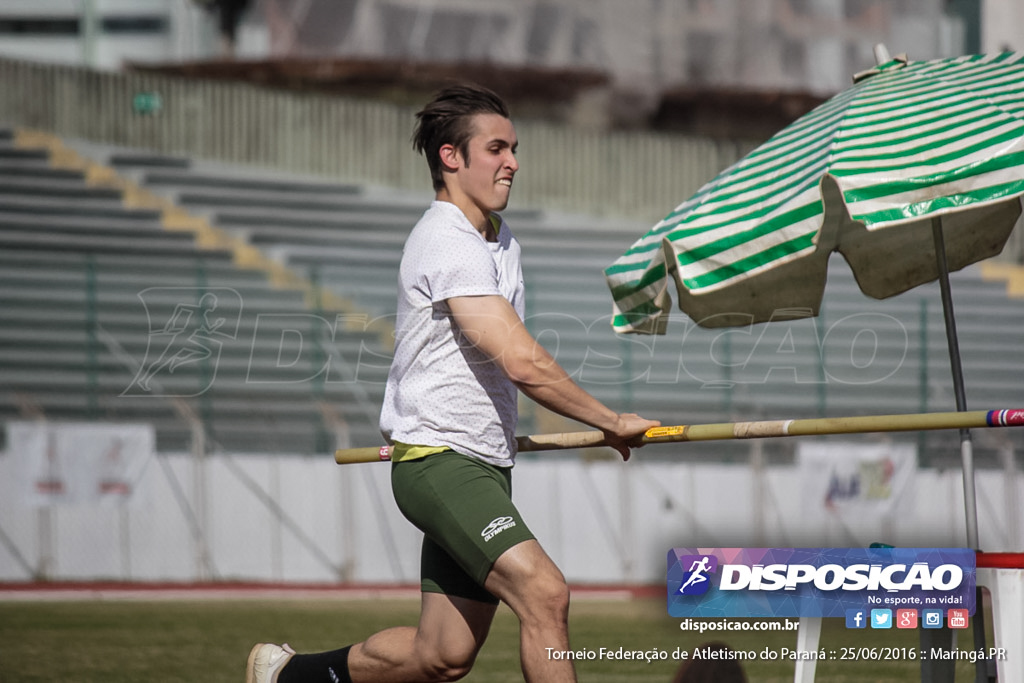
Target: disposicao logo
<point x="697" y="580"/>
<point x="822" y="582"/>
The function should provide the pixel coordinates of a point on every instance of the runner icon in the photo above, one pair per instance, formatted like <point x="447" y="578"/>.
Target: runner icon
<point x="697" y="573"/>
<point x="190" y="331"/>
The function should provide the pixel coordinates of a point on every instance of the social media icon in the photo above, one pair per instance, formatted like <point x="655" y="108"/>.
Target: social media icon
<point x="856" y="618"/>
<point x="881" y="618"/>
<point x="932" y="618"/>
<point x="906" y="618"/>
<point x="958" y="618"/>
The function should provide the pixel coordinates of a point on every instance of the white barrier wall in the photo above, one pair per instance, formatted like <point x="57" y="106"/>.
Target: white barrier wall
<point x="304" y="519"/>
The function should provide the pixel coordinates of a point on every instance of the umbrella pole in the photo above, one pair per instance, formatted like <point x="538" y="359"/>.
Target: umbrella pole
<point x="966" y="445"/>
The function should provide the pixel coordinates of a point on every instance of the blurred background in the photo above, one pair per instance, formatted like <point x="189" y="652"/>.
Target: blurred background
<point x="679" y="65"/>
<point x="202" y="207"/>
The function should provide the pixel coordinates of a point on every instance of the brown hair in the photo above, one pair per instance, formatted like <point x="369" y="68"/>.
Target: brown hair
<point x="446" y="120"/>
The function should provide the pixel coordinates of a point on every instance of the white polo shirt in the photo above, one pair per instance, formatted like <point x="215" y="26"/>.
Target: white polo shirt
<point x="441" y="391"/>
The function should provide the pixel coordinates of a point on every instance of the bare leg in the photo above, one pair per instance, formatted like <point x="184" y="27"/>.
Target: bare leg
<point x="442" y="647"/>
<point x="526" y="579"/>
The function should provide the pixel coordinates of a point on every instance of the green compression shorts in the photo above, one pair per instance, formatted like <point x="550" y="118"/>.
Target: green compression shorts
<point x="464" y="508"/>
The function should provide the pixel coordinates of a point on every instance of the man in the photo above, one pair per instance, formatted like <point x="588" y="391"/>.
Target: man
<point x="461" y="353"/>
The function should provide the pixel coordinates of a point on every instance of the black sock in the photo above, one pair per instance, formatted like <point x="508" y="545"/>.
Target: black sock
<point x="322" y="667"/>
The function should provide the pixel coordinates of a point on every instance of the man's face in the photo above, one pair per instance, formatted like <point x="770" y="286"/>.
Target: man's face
<point x="484" y="177"/>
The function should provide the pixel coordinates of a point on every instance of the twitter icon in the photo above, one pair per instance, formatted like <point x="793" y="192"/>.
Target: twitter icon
<point x="881" y="618"/>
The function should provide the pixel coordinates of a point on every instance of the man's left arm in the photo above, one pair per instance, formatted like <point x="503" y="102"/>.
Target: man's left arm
<point x="493" y="327"/>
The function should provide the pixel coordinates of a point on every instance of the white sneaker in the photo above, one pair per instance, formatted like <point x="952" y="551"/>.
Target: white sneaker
<point x="266" y="661"/>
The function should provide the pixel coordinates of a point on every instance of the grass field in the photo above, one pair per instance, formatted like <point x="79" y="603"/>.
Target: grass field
<point x="207" y="641"/>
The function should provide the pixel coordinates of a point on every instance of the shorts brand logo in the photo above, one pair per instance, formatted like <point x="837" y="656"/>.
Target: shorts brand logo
<point x="496" y="526"/>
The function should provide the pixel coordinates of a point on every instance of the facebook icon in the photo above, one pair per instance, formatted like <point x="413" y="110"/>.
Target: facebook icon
<point x="856" y="618"/>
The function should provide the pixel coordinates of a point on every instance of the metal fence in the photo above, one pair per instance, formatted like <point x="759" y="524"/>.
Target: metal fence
<point x="630" y="174"/>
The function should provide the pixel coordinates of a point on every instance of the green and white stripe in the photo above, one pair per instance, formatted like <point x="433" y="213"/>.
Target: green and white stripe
<point x="908" y="142"/>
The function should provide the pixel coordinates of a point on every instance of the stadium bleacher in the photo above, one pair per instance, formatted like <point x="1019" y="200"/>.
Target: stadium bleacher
<point x="88" y="286"/>
<point x="76" y="260"/>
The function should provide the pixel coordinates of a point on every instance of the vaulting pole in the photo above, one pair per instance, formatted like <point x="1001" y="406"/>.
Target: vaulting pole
<point x="913" y="422"/>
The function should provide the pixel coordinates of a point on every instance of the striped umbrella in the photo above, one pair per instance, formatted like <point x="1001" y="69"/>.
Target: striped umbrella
<point x="916" y="170"/>
<point x="863" y="174"/>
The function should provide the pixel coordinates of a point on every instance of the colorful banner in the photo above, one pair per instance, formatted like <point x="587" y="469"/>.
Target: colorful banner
<point x="859" y="482"/>
<point x="817" y="582"/>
